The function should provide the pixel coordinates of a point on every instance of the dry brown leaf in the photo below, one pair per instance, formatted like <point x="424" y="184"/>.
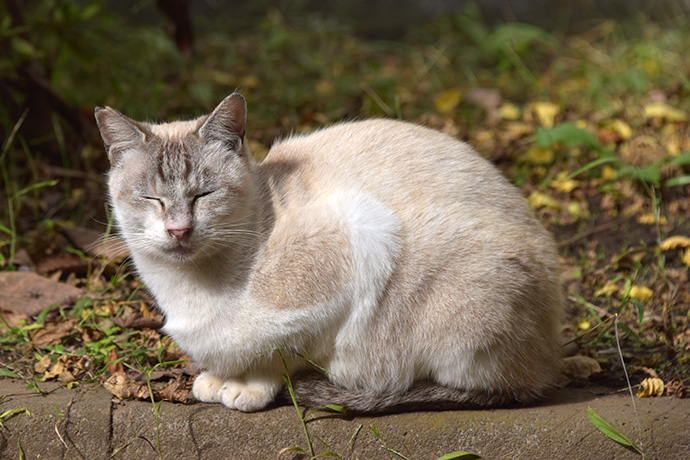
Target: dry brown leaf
<point x="66" y="263"/>
<point x="114" y="368"/>
<point x="123" y="387"/>
<point x="53" y="332"/>
<point x="29" y="294"/>
<point x="176" y="391"/>
<point x="651" y="387"/>
<point x="67" y="368"/>
<point x="676" y="388"/>
<point x="580" y="367"/>
<point x="42" y="365"/>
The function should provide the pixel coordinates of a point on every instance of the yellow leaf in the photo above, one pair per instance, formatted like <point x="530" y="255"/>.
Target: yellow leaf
<point x="673" y="242"/>
<point x="607" y="290"/>
<point x="447" y="100"/>
<point x="608" y="173"/>
<point x="651" y="387"/>
<point x="622" y="128"/>
<point x="546" y="113"/>
<point x="666" y="112"/>
<point x="641" y="293"/>
<point x="575" y="209"/>
<point x="686" y="257"/>
<point x="650" y="219"/>
<point x="583" y="324"/>
<point x="509" y="111"/>
<point x="564" y="185"/>
<point x="540" y="155"/>
<point x="541" y="200"/>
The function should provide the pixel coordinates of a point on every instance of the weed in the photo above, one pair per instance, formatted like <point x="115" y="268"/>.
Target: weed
<point x="11" y="413"/>
<point x="612" y="432"/>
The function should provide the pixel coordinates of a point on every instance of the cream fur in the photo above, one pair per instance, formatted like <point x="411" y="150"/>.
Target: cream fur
<point x="386" y="252"/>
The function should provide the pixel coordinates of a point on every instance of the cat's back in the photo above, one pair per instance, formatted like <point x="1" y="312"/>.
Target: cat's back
<point x="404" y="165"/>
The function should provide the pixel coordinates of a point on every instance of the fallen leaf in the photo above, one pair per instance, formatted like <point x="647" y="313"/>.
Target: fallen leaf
<point x="53" y="332"/>
<point x="541" y="200"/>
<point x="114" y="368"/>
<point x="29" y="294"/>
<point x="546" y="113"/>
<point x="68" y="263"/>
<point x="580" y="367"/>
<point x="674" y="242"/>
<point x="607" y="290"/>
<point x="42" y="365"/>
<point x="176" y="391"/>
<point x="67" y="368"/>
<point x="509" y="111"/>
<point x="563" y="184"/>
<point x="650" y="218"/>
<point x="664" y="111"/>
<point x="575" y="209"/>
<point x="622" y="128"/>
<point x="583" y="324"/>
<point x="448" y="100"/>
<point x="651" y="387"/>
<point x="123" y="387"/>
<point x="676" y="388"/>
<point x="640" y="293"/>
<point x="540" y="155"/>
<point x="608" y="173"/>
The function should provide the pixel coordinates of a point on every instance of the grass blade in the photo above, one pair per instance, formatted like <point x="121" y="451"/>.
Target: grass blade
<point x="608" y="429"/>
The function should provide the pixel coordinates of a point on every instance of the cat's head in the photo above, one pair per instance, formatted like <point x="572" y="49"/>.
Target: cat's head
<point x="180" y="190"/>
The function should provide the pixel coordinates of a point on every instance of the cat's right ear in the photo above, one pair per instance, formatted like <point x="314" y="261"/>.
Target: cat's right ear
<point x="119" y="132"/>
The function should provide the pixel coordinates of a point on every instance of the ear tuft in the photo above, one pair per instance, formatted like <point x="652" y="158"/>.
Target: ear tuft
<point x="119" y="132"/>
<point x="227" y="122"/>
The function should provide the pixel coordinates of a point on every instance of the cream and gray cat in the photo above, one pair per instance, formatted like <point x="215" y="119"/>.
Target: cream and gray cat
<point x="390" y="254"/>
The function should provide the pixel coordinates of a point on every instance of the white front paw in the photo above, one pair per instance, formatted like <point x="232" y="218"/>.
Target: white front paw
<point x="207" y="388"/>
<point x="246" y="397"/>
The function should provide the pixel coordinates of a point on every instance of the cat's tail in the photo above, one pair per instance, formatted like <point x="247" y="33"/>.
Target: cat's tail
<point x="316" y="391"/>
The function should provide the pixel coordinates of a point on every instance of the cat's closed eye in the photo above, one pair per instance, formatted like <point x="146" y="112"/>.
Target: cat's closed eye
<point x="201" y="195"/>
<point x="158" y="200"/>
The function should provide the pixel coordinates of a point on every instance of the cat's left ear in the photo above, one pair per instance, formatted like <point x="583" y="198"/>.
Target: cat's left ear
<point x="227" y="123"/>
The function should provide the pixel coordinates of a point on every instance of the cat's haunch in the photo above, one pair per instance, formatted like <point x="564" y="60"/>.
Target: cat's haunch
<point x="390" y="254"/>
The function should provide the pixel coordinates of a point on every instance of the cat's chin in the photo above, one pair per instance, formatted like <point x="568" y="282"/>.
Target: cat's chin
<point x="179" y="252"/>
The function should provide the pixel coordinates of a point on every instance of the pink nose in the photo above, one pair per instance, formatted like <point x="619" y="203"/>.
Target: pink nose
<point x="179" y="233"/>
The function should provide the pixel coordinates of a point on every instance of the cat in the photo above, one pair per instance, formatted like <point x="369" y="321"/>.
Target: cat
<point x="392" y="255"/>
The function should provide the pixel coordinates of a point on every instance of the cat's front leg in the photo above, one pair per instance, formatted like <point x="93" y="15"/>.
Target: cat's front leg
<point x="246" y="394"/>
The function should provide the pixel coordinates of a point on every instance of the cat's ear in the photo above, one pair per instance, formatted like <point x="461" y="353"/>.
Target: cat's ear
<point x="119" y="132"/>
<point x="227" y="122"/>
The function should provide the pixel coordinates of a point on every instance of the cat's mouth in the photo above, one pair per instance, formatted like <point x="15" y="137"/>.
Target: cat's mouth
<point x="180" y="251"/>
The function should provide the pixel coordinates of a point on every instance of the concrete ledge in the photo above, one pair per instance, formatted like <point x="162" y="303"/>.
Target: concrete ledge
<point x="93" y="425"/>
